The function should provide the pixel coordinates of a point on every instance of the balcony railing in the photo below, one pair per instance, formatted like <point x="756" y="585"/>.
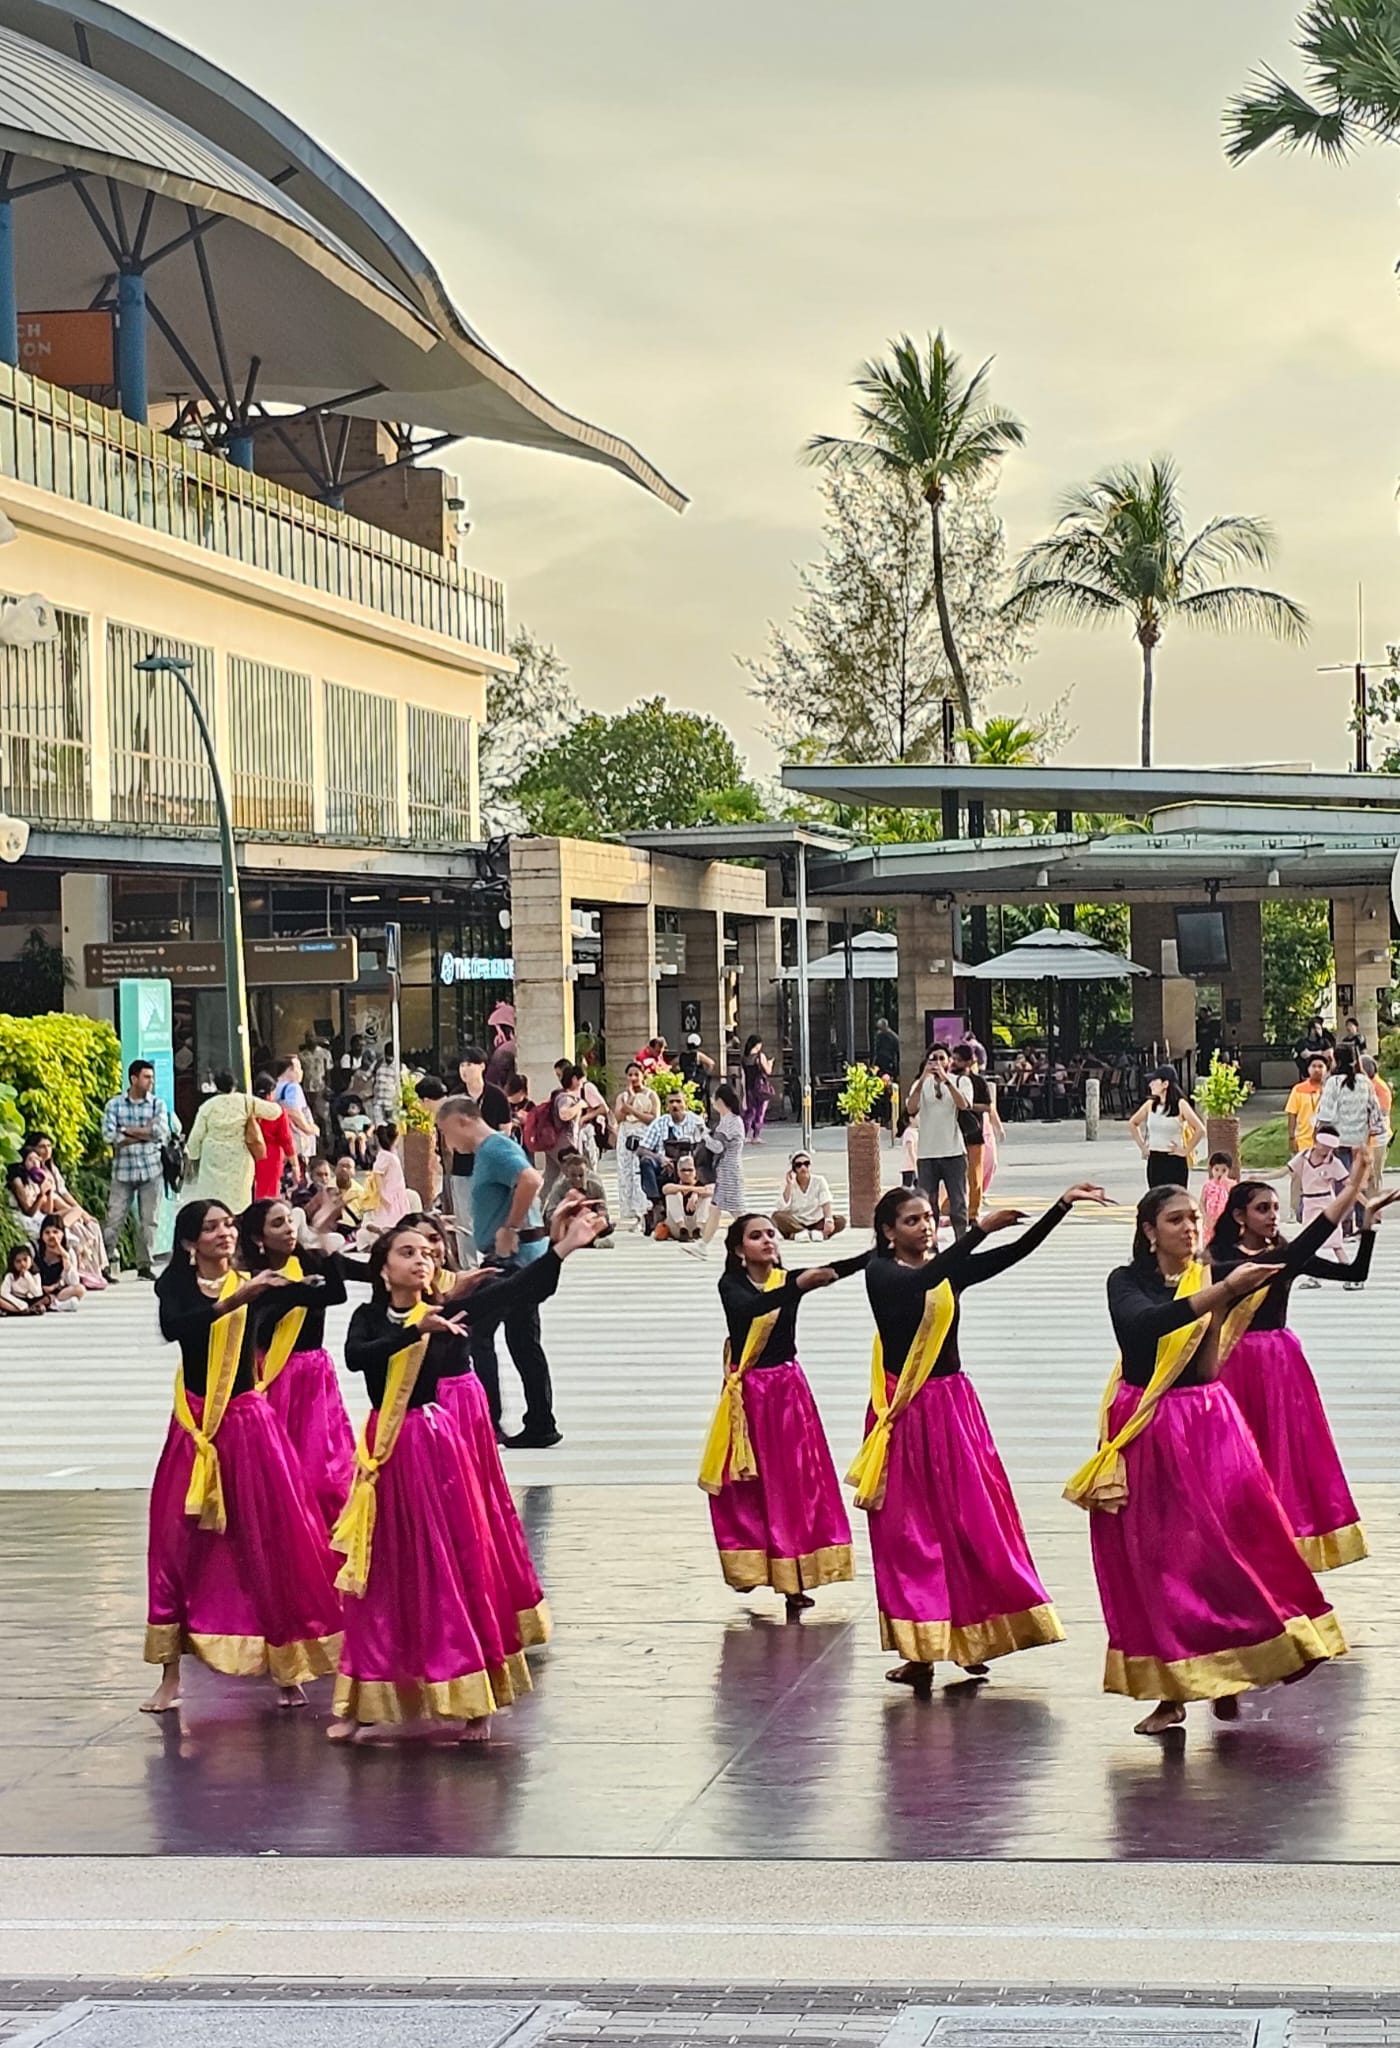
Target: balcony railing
<point x="96" y="457"/>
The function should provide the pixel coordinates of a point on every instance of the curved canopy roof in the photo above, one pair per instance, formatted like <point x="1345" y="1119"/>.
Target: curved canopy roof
<point x="450" y="382"/>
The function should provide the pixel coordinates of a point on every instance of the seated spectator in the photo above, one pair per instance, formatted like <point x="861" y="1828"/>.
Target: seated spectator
<point x="386" y="1196"/>
<point x="687" y="1202"/>
<point x="355" y="1128"/>
<point x="806" y="1205"/>
<point x="56" y="1264"/>
<point x="678" y="1133"/>
<point x="21" y="1290"/>
<point x="84" y="1230"/>
<point x="576" y="1176"/>
<point x="29" y="1195"/>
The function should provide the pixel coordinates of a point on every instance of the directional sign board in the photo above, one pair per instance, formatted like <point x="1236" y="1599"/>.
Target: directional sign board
<point x="193" y="963"/>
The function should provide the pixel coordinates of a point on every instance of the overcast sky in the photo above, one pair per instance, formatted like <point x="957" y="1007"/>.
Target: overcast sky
<point x="689" y="224"/>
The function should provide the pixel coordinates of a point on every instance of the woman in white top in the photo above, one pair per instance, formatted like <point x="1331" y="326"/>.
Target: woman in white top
<point x="1350" y="1103"/>
<point x="1165" y="1130"/>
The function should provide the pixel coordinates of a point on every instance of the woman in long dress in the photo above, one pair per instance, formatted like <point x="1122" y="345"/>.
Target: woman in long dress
<point x="726" y="1142"/>
<point x="1204" y="1593"/>
<point x="1266" y="1369"/>
<point x="217" y="1146"/>
<point x="758" y="1088"/>
<point x="775" y="1501"/>
<point x="954" y="1578"/>
<point x="636" y="1108"/>
<point x="240" y="1572"/>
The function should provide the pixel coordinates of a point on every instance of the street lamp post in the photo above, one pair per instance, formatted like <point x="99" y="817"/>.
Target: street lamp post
<point x="235" y="987"/>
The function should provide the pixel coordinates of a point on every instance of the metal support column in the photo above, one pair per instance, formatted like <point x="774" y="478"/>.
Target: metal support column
<point x="238" y="450"/>
<point x="131" y="345"/>
<point x="9" y="298"/>
<point x="804" y="1000"/>
<point x="850" y="988"/>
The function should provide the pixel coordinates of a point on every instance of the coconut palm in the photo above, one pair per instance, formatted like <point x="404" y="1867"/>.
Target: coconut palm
<point x="1351" y="53"/>
<point x="1004" y="743"/>
<point x="1120" y="547"/>
<point x="922" y="419"/>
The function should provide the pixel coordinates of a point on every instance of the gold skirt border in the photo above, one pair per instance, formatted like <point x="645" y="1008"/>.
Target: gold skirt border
<point x="369" y="1700"/>
<point x="244" y="1656"/>
<point x="745" y="1570"/>
<point x="939" y="1642"/>
<point x="536" y="1625"/>
<point x="1340" y="1546"/>
<point x="1304" y="1641"/>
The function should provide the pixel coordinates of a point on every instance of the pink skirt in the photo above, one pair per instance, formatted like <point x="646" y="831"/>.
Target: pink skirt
<point x="527" y="1610"/>
<point x="306" y="1395"/>
<point x="788" y="1527"/>
<point x="424" y="1641"/>
<point x="954" y="1576"/>
<point x="260" y="1597"/>
<point x="1203" y="1591"/>
<point x="1270" y="1378"/>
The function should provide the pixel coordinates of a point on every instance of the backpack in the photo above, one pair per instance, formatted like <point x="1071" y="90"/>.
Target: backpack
<point x="542" y="1130"/>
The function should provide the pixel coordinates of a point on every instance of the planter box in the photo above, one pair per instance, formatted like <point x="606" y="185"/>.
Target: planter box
<point x="863" y="1172"/>
<point x="421" y="1170"/>
<point x="1223" y="1135"/>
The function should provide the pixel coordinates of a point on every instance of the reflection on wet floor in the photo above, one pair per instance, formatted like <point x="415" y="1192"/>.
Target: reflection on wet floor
<point x="669" y="1717"/>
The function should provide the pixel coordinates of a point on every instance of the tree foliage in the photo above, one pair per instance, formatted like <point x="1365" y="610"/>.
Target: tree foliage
<point x="860" y="672"/>
<point x="1297" y="942"/>
<point x="525" y="713"/>
<point x="1351" y="57"/>
<point x="63" y="1068"/>
<point x="649" y="768"/>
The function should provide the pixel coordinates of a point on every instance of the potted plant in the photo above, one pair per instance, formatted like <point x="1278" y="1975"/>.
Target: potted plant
<point x="1220" y="1096"/>
<point x="858" y="1102"/>
<point x="422" y="1167"/>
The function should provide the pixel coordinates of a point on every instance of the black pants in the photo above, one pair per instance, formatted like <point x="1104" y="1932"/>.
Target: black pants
<point x="1168" y="1170"/>
<point x="522" y="1332"/>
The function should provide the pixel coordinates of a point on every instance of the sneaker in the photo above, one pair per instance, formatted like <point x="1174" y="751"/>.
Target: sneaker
<point x="525" y="1442"/>
<point x="1308" y="1281"/>
<point x="144" y="1273"/>
<point x="1353" y="1286"/>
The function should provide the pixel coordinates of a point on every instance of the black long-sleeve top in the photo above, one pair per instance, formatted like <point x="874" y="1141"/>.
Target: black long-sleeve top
<point x="296" y="1294"/>
<point x="897" y="1292"/>
<point x="187" y="1315"/>
<point x="1297" y="1258"/>
<point x="743" y="1303"/>
<point x="376" y="1333"/>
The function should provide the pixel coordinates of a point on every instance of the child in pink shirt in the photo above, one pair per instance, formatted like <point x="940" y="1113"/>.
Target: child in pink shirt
<point x="1215" y="1194"/>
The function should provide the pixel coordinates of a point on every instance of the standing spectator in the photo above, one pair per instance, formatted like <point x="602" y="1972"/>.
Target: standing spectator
<point x="758" y="1088"/>
<point x="225" y="1142"/>
<point x="136" y="1125"/>
<point x="459" y="1166"/>
<point x="1301" y="1111"/>
<point x="1166" y="1130"/>
<point x="509" y="1231"/>
<point x="885" y="1050"/>
<point x="726" y="1143"/>
<point x="518" y="1096"/>
<point x="1351" y="1034"/>
<point x="290" y="1095"/>
<point x="696" y="1067"/>
<point x="1319" y="1176"/>
<point x="1317" y="1038"/>
<point x="280" y="1141"/>
<point x="386" y="1086"/>
<point x="635" y="1110"/>
<point x="937" y="1101"/>
<point x="315" y="1074"/>
<point x="653" y="1054"/>
<point x="1385" y="1097"/>
<point x="972" y="1122"/>
<point x="807" y="1203"/>
<point x="1350" y="1105"/>
<point x="1219" y="1186"/>
<point x="679" y="1130"/>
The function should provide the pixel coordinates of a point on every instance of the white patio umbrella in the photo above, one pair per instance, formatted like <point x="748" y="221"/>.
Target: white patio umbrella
<point x="1052" y="956"/>
<point x="874" y="957"/>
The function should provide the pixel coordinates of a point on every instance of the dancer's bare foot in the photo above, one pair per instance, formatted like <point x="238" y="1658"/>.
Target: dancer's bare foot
<point x="166" y="1696"/>
<point x="343" y="1731"/>
<point x="919" y="1677"/>
<point x="290" y="1696"/>
<point x="1167" y="1714"/>
<point x="1227" y="1709"/>
<point x="477" y="1731"/>
<point x="797" y="1601"/>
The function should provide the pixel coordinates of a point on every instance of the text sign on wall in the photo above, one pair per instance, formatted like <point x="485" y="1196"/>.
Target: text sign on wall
<point x="474" y="967"/>
<point x="67" y="348"/>
<point x="194" y="963"/>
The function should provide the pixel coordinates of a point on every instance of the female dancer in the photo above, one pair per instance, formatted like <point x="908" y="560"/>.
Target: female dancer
<point x="953" y="1572"/>
<point x="423" y="1641"/>
<point x="775" y="1501"/>
<point x="757" y="1069"/>
<point x="637" y="1107"/>
<point x="295" y="1370"/>
<point x="240" y="1573"/>
<point x="1204" y="1594"/>
<point x="1264" y="1366"/>
<point x="1165" y="1128"/>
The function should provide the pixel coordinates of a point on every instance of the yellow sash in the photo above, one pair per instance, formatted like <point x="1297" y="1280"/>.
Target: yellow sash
<point x="205" y="1497"/>
<point x="354" y="1532"/>
<point x="728" y="1449"/>
<point x="867" y="1474"/>
<point x="1103" y="1482"/>
<point x="284" y="1337"/>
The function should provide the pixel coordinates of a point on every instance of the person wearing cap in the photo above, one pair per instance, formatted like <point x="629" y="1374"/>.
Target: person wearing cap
<point x="695" y="1066"/>
<point x="807" y="1204"/>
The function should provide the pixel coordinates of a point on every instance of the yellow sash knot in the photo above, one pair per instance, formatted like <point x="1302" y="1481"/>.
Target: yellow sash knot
<point x="204" y="1498"/>
<point x="1103" y="1482"/>
<point x="867" y="1474"/>
<point x="353" y="1534"/>
<point x="729" y="1448"/>
<point x="284" y="1337"/>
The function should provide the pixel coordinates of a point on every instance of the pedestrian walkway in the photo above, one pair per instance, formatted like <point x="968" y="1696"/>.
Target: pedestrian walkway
<point x="634" y="1338"/>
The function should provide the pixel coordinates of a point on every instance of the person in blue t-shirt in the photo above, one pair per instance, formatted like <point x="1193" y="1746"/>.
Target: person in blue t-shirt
<point x="509" y="1232"/>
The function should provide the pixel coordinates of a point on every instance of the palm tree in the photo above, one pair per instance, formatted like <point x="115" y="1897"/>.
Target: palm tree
<point x="1351" y="53"/>
<point x="1004" y="743"/>
<point x="1120" y="546"/>
<point x="923" y="420"/>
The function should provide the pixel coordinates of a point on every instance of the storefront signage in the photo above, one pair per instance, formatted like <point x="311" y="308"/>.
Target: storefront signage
<point x="474" y="967"/>
<point x="193" y="963"/>
<point x="72" y="349"/>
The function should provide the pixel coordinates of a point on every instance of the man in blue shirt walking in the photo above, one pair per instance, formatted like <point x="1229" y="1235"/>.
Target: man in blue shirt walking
<point x="508" y="1229"/>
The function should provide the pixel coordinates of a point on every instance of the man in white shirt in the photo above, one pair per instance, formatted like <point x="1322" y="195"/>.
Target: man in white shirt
<point x="935" y="1101"/>
<point x="806" y="1203"/>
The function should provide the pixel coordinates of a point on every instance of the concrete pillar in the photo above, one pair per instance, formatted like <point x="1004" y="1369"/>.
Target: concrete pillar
<point x="629" y="981"/>
<point x="542" y="943"/>
<point x="1244" y="984"/>
<point x="1148" y="925"/>
<point x="927" y="957"/>
<point x="99" y="720"/>
<point x="761" y="958"/>
<point x="1361" y="950"/>
<point x="702" y="980"/>
<point x="87" y="921"/>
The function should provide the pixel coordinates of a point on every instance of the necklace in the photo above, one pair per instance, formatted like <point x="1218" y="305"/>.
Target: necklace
<point x="210" y="1286"/>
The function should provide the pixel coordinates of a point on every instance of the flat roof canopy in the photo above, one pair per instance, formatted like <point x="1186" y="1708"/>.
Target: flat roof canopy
<point x="1134" y="792"/>
<point x="741" y="842"/>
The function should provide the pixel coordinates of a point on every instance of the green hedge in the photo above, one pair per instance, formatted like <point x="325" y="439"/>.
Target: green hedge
<point x="63" y="1069"/>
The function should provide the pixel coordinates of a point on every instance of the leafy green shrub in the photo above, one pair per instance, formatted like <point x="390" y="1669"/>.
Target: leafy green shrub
<point x="863" y="1093"/>
<point x="1388" y="1055"/>
<point x="63" y="1069"/>
<point x="1222" y="1092"/>
<point x="666" y="1081"/>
